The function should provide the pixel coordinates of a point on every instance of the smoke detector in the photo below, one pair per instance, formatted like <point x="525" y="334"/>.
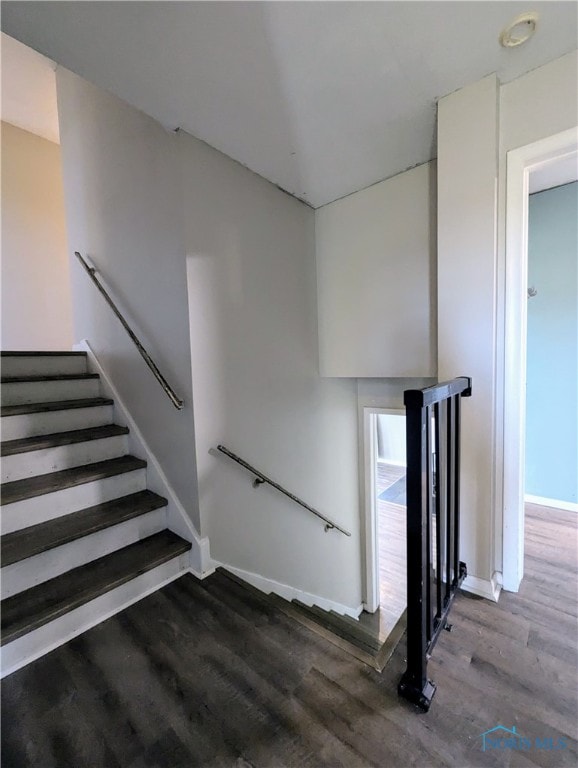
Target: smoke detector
<point x="519" y="30"/>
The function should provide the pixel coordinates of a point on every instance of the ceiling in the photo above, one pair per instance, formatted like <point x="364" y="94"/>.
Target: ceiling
<point x="28" y="89"/>
<point x="321" y="98"/>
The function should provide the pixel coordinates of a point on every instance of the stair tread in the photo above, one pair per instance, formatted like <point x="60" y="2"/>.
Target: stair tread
<point x="35" y="539"/>
<point x="48" y="377"/>
<point x="40" y="442"/>
<point x="40" y="353"/>
<point x="18" y="490"/>
<point x="335" y="622"/>
<point x="45" y="602"/>
<point x="54" y="405"/>
<point x="343" y="626"/>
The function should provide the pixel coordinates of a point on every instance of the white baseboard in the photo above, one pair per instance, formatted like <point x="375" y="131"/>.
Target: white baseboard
<point x="291" y="593"/>
<point x="177" y="518"/>
<point x="569" y="506"/>
<point x="488" y="588"/>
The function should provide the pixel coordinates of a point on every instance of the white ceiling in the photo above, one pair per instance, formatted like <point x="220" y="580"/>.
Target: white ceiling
<point x="321" y="98"/>
<point x="28" y="89"/>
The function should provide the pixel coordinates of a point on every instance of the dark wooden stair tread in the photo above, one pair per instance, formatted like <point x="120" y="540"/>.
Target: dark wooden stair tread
<point x="45" y="602"/>
<point x="336" y="623"/>
<point x="54" y="405"/>
<point x="25" y="444"/>
<point x="330" y="625"/>
<point x="48" y="377"/>
<point x="345" y="626"/>
<point x="35" y="539"/>
<point x="40" y="353"/>
<point x="18" y="490"/>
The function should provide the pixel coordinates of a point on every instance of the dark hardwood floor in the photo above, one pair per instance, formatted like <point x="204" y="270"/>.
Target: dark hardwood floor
<point x="200" y="675"/>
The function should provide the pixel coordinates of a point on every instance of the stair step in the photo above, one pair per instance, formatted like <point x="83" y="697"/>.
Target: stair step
<point x="41" y="353"/>
<point x="39" y="538"/>
<point x="57" y="405"/>
<point x="46" y="602"/>
<point x="27" y="444"/>
<point x="34" y="363"/>
<point x="52" y="377"/>
<point x="18" y="389"/>
<point x="18" y="490"/>
<point x="345" y="629"/>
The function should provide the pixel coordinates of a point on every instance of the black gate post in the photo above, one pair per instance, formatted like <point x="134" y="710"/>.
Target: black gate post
<point x="414" y="684"/>
<point x="428" y="604"/>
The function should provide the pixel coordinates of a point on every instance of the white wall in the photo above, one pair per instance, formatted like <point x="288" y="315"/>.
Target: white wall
<point x="391" y="441"/>
<point x="538" y="105"/>
<point x="253" y="316"/>
<point x="476" y="127"/>
<point x="375" y="253"/>
<point x="36" y="302"/>
<point x="467" y="188"/>
<point x="124" y="211"/>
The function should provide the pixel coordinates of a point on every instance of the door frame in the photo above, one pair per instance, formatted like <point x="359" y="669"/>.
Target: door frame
<point x="520" y="163"/>
<point x="371" y="527"/>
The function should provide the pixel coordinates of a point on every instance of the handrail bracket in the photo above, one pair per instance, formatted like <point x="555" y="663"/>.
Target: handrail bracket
<point x="260" y="479"/>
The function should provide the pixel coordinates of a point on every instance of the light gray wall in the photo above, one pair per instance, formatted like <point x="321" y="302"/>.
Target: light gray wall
<point x="253" y="316"/>
<point x="477" y="126"/>
<point x="124" y="211"/>
<point x="467" y="174"/>
<point x="36" y="302"/>
<point x="376" y="275"/>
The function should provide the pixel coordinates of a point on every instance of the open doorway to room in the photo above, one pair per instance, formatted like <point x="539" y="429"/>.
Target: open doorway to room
<point x="551" y="461"/>
<point x="385" y="517"/>
<point x="541" y="314"/>
<point x="552" y="338"/>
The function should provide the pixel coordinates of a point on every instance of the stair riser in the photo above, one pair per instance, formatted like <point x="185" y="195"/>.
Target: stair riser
<point x="33" y="424"/>
<point x="39" y="509"/>
<point x="20" y="392"/>
<point x="34" y="570"/>
<point x="42" y="366"/>
<point x="25" y="649"/>
<point x="32" y="463"/>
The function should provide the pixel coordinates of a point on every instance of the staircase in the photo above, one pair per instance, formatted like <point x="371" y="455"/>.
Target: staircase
<point x="82" y="537"/>
<point x="360" y="638"/>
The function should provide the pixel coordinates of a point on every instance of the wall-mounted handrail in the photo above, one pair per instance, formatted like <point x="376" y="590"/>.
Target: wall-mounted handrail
<point x="175" y="400"/>
<point x="260" y="478"/>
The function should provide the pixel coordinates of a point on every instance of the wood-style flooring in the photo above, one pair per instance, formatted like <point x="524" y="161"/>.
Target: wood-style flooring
<point x="392" y="552"/>
<point x="200" y="675"/>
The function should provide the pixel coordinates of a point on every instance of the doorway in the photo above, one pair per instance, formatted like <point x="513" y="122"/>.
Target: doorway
<point x="523" y="166"/>
<point x="385" y="469"/>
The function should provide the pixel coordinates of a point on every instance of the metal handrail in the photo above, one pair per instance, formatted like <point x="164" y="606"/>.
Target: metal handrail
<point x="175" y="400"/>
<point x="260" y="478"/>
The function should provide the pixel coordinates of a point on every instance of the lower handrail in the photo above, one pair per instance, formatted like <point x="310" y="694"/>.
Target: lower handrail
<point x="260" y="478"/>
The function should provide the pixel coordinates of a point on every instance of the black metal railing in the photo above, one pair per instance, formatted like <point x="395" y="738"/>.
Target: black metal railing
<point x="434" y="569"/>
<point x="260" y="479"/>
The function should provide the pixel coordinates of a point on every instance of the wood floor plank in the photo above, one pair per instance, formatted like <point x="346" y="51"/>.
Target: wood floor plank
<point x="209" y="674"/>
